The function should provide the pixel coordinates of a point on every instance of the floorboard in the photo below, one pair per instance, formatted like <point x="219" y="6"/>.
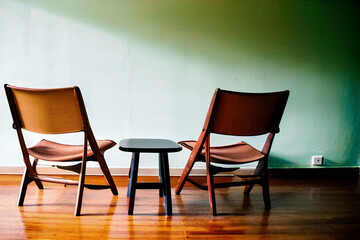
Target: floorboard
<point x="302" y="208"/>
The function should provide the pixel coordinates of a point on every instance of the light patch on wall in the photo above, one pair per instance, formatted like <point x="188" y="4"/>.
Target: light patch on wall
<point x="149" y="69"/>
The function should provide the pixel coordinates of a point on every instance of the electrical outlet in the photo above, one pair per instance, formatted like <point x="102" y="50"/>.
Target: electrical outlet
<point x="317" y="160"/>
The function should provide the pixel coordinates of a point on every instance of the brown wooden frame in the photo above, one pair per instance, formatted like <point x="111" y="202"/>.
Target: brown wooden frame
<point x="30" y="173"/>
<point x="201" y="151"/>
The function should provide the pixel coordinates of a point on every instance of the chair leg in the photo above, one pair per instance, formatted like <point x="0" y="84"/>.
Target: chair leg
<point x="24" y="183"/>
<point x="248" y="188"/>
<point x="184" y="176"/>
<point x="80" y="192"/>
<point x="37" y="181"/>
<point x="106" y="172"/>
<point x="259" y="168"/>
<point x="211" y="190"/>
<point x="266" y="194"/>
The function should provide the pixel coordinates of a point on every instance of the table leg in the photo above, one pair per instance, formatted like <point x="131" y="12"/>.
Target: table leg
<point x="161" y="179"/>
<point x="166" y="180"/>
<point x="132" y="182"/>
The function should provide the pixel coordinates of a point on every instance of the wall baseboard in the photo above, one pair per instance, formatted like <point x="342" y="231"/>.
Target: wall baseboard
<point x="97" y="171"/>
<point x="353" y="171"/>
<point x="319" y="171"/>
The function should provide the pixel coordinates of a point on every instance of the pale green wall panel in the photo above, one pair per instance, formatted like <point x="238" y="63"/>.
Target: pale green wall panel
<point x="149" y="68"/>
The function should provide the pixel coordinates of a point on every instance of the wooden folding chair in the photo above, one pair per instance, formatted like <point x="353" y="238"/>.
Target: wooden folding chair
<point x="56" y="111"/>
<point x="236" y="114"/>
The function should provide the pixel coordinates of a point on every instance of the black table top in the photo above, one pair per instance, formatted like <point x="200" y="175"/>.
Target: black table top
<point x="148" y="145"/>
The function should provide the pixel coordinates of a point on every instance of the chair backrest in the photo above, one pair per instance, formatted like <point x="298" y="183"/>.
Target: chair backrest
<point x="48" y="111"/>
<point x="246" y="114"/>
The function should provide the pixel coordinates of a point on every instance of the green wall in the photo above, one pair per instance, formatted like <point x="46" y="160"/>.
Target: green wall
<point x="149" y="68"/>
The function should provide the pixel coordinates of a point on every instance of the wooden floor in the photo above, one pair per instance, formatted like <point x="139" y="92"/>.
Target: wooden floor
<point x="302" y="208"/>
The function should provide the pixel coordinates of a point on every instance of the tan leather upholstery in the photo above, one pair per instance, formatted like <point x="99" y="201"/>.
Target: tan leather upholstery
<point x="232" y="117"/>
<point x="52" y="151"/>
<point x="230" y="154"/>
<point x="49" y="111"/>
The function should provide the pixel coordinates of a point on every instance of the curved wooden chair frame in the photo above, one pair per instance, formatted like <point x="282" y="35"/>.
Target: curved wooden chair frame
<point x="236" y="114"/>
<point x="56" y="111"/>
